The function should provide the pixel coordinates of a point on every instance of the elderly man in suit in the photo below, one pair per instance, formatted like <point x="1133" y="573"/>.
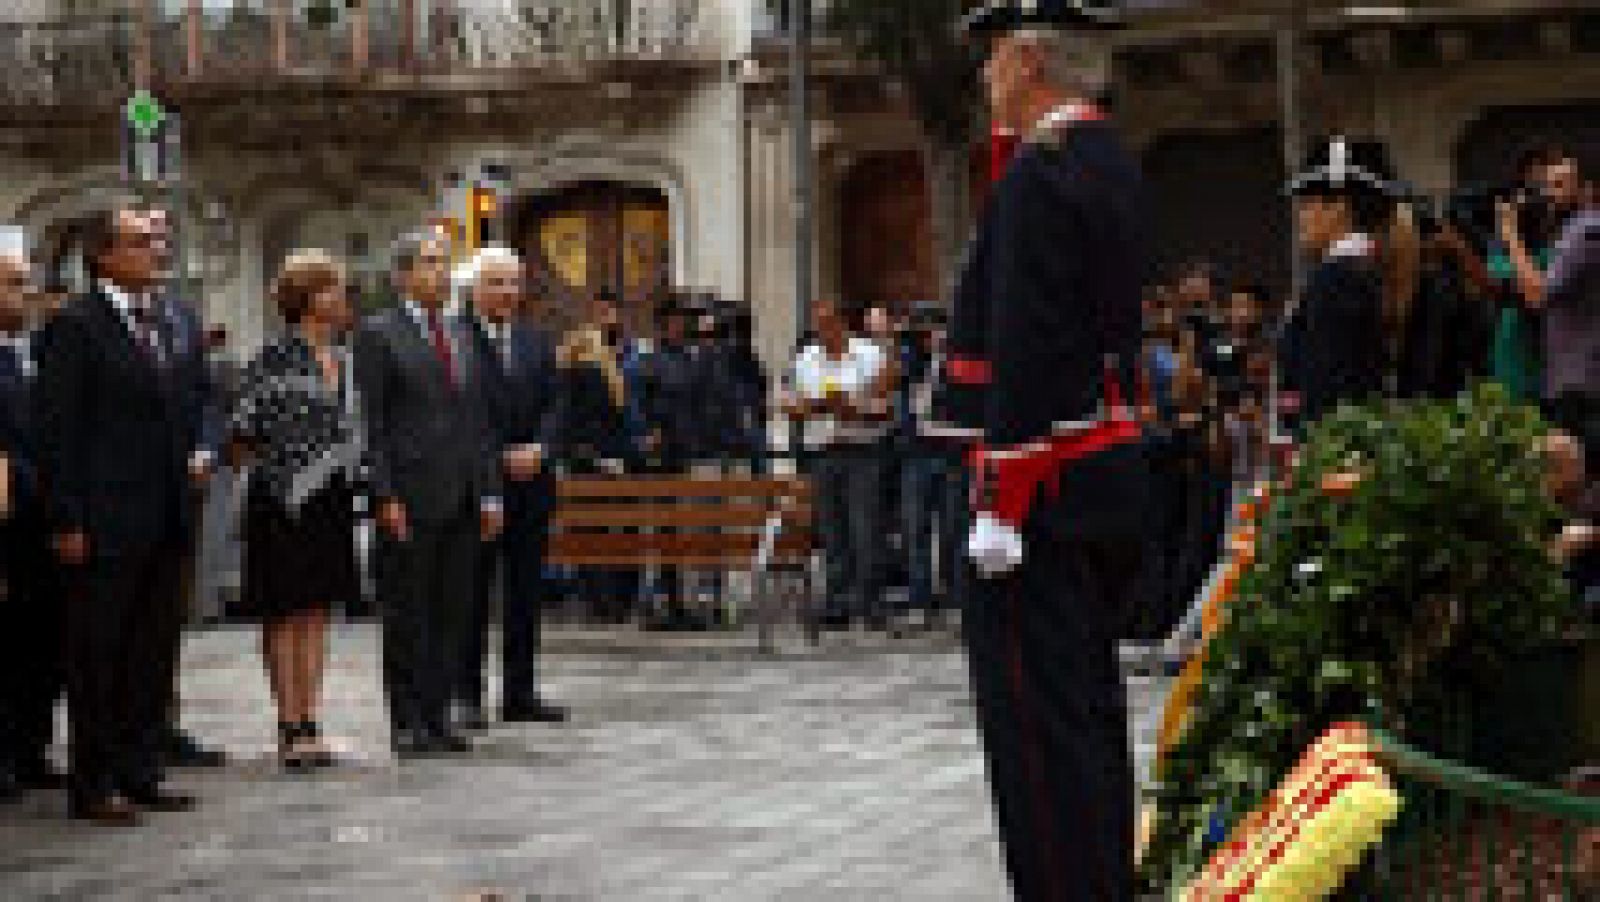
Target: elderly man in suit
<point x="434" y="464"/>
<point x="121" y="411"/>
<point x="31" y="675"/>
<point x="520" y="384"/>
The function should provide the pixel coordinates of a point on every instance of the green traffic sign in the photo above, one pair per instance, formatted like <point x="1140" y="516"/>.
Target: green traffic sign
<point x="145" y="114"/>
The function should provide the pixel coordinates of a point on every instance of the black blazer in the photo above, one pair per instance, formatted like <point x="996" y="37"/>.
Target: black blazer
<point x="17" y="441"/>
<point x="116" y="431"/>
<point x="522" y="395"/>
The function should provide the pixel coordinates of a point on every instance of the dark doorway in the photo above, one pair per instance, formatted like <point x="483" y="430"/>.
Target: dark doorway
<point x="587" y="237"/>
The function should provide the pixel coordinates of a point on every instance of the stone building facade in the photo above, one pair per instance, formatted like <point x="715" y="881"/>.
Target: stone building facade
<point x="639" y="144"/>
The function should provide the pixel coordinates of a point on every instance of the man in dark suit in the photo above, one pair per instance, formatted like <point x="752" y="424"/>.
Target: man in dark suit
<point x="520" y="384"/>
<point x="1045" y="327"/>
<point x="31" y="675"/>
<point x="434" y="465"/>
<point x="120" y="407"/>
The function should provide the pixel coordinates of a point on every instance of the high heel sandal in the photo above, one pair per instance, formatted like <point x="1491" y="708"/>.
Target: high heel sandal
<point x="289" y="736"/>
<point x="311" y="731"/>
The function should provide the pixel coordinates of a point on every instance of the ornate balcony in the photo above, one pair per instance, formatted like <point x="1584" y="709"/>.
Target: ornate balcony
<point x="188" y="47"/>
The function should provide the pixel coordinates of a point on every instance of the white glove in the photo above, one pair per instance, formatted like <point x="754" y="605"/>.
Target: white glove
<point x="994" y="546"/>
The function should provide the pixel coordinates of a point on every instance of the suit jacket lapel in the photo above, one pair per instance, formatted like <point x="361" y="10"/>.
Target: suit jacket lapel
<point x="415" y="347"/>
<point x="120" y="341"/>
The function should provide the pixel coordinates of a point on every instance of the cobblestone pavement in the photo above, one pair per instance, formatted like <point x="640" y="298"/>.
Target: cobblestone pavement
<point x="853" y="773"/>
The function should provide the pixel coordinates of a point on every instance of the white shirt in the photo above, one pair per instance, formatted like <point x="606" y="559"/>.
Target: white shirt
<point x="817" y="375"/>
<point x="128" y="308"/>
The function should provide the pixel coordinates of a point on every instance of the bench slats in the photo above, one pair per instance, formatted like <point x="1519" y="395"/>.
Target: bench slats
<point x="670" y="561"/>
<point x="682" y="516"/>
<point x="647" y="545"/>
<point x="624" y="488"/>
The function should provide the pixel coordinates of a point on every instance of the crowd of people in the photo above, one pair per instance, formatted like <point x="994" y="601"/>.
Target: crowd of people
<point x="447" y="418"/>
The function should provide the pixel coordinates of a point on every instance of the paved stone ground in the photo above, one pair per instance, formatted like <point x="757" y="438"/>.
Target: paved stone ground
<point x="689" y="772"/>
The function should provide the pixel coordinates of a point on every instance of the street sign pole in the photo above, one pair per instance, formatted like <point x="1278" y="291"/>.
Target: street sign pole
<point x="800" y="109"/>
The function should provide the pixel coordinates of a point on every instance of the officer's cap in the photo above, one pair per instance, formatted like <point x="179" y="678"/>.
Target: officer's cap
<point x="995" y="17"/>
<point x="1343" y="166"/>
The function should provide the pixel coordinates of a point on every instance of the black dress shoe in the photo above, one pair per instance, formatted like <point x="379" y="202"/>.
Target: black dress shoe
<point x="538" y="711"/>
<point x="408" y="744"/>
<point x="112" y="811"/>
<point x="471" y="718"/>
<point x="10" y="789"/>
<point x="447" y="743"/>
<point x="40" y="775"/>
<point x="162" y="801"/>
<point x="180" y="749"/>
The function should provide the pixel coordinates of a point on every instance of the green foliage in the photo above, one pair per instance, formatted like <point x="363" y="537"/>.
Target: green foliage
<point x="1398" y="602"/>
<point x="916" y="43"/>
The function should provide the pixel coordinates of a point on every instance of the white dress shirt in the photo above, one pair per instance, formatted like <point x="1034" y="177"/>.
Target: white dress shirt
<point x="21" y="345"/>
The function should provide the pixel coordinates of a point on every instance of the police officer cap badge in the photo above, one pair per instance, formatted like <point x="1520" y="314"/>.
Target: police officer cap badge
<point x="1347" y="167"/>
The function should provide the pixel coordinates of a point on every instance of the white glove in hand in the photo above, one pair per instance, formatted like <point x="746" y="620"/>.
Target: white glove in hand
<point x="994" y="546"/>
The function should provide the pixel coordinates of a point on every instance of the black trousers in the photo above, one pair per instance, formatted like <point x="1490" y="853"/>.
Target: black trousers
<point x="32" y="644"/>
<point x="426" y="586"/>
<point x="123" y="626"/>
<point x="519" y="558"/>
<point x="1052" y="710"/>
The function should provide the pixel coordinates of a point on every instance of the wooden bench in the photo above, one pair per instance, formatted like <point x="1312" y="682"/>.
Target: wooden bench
<point x="761" y="526"/>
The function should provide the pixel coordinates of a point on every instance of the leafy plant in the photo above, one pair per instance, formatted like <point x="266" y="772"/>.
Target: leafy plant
<point x="1399" y="601"/>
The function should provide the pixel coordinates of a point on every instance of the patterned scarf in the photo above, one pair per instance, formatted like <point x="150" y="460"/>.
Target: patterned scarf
<point x="303" y="433"/>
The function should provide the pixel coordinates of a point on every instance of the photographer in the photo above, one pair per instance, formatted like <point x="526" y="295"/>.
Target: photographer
<point x="1571" y="307"/>
<point x="1528" y="220"/>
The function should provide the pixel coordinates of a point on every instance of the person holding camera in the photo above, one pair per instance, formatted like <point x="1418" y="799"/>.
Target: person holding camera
<point x="1570" y="303"/>
<point x="1528" y="221"/>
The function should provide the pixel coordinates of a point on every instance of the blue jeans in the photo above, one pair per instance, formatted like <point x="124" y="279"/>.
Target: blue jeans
<point x="847" y="486"/>
<point x="933" y="502"/>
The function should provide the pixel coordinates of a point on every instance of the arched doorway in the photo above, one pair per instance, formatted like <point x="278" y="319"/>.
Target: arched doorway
<point x="885" y="229"/>
<point x="587" y="237"/>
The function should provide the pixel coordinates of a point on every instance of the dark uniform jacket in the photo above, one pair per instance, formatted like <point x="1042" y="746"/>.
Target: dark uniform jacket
<point x="1048" y="296"/>
<point x="1333" y="346"/>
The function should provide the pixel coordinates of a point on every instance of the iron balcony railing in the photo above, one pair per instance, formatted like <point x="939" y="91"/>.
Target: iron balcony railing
<point x="242" y="42"/>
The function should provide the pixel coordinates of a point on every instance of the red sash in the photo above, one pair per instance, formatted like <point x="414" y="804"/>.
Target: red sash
<point x="1009" y="482"/>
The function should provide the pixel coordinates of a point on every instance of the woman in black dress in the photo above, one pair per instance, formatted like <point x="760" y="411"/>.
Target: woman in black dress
<point x="295" y="422"/>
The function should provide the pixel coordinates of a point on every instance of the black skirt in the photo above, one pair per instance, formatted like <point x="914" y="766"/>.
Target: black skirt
<point x="302" y="562"/>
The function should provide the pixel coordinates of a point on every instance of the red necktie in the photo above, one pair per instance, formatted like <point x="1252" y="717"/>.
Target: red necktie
<point x="441" y="346"/>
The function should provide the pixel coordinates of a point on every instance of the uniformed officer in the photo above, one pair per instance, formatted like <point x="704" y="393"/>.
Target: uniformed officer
<point x="1332" y="351"/>
<point x="1045" y="329"/>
